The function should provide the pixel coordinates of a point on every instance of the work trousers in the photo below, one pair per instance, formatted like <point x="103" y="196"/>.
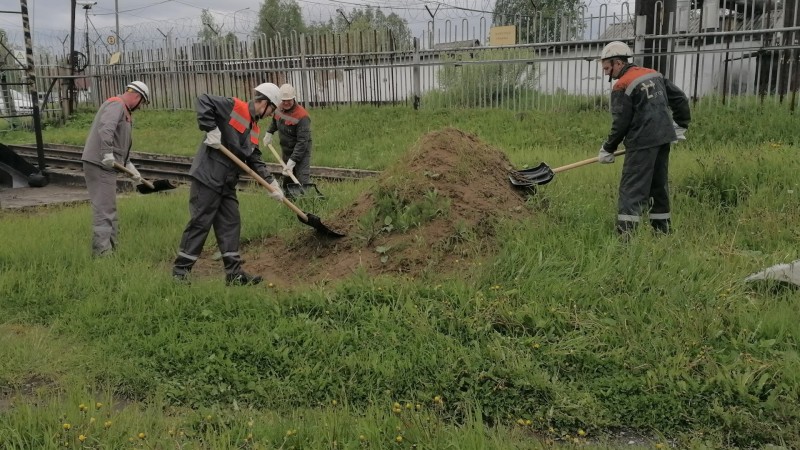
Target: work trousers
<point x="210" y="208"/>
<point x="644" y="186"/>
<point x="102" y="186"/>
<point x="302" y="171"/>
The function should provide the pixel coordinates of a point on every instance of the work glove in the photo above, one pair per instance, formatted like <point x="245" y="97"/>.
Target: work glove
<point x="267" y="139"/>
<point x="605" y="157"/>
<point x="277" y="194"/>
<point x="289" y="169"/>
<point x="680" y="132"/>
<point x="214" y="138"/>
<point x="135" y="175"/>
<point x="108" y="160"/>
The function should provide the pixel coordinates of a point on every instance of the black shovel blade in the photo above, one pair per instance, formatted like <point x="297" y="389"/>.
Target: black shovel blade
<point x="543" y="176"/>
<point x="158" y="186"/>
<point x="315" y="222"/>
<point x="518" y="180"/>
<point x="534" y="170"/>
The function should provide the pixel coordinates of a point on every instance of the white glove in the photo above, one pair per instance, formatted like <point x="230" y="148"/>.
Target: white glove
<point x="214" y="138"/>
<point x="277" y="194"/>
<point x="289" y="169"/>
<point x="267" y="139"/>
<point x="108" y="160"/>
<point x="680" y="132"/>
<point x="605" y="157"/>
<point x="135" y="175"/>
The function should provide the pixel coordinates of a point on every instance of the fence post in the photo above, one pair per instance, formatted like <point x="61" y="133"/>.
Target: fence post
<point x="640" y="31"/>
<point x="303" y="75"/>
<point x="416" y="75"/>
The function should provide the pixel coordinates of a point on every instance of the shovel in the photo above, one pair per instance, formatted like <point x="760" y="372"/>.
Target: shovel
<point x="146" y="187"/>
<point x="543" y="174"/>
<point x="307" y="218"/>
<point x="291" y="175"/>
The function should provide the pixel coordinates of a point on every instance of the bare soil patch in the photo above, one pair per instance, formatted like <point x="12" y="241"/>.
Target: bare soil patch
<point x="434" y="211"/>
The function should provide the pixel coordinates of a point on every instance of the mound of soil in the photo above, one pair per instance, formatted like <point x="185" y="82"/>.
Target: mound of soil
<point x="432" y="212"/>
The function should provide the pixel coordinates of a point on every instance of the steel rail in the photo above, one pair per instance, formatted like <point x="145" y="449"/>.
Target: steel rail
<point x="172" y="167"/>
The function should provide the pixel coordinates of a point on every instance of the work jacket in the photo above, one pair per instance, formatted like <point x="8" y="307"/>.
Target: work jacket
<point x="294" y="124"/>
<point x="239" y="129"/>
<point x="641" y="101"/>
<point x="110" y="133"/>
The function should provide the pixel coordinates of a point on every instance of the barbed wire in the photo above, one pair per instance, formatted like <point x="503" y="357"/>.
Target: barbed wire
<point x="243" y="23"/>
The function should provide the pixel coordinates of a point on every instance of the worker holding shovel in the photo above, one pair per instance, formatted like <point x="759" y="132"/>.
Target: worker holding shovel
<point x="107" y="149"/>
<point x="641" y="101"/>
<point x="229" y="123"/>
<point x="294" y="124"/>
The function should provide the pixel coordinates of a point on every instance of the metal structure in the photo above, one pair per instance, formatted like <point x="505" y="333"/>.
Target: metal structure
<point x="725" y="52"/>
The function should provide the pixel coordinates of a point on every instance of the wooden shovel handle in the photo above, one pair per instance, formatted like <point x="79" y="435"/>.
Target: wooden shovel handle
<point x="126" y="171"/>
<point x="262" y="181"/>
<point x="584" y="162"/>
<point x="280" y="161"/>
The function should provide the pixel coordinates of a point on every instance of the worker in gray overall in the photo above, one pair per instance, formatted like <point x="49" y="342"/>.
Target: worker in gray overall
<point x="232" y="123"/>
<point x="109" y="142"/>
<point x="294" y="124"/>
<point x="641" y="102"/>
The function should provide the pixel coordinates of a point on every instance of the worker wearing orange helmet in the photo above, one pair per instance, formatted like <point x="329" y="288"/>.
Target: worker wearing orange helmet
<point x="648" y="113"/>
<point x="294" y="125"/>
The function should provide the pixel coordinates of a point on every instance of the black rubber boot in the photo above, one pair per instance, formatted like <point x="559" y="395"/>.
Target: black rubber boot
<point x="242" y="279"/>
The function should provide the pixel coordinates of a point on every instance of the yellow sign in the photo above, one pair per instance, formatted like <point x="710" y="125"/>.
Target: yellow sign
<point x="111" y="40"/>
<point x="506" y="35"/>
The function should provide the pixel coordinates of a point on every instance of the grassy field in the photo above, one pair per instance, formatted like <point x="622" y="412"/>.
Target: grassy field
<point x="559" y="336"/>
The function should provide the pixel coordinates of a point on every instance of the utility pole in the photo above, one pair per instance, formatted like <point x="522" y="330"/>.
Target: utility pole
<point x="86" y="7"/>
<point x="116" y="14"/>
<point x="71" y="60"/>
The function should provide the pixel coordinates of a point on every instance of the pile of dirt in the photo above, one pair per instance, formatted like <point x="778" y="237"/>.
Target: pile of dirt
<point x="434" y="211"/>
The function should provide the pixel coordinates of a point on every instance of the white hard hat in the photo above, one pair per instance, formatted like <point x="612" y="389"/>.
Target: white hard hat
<point x="270" y="91"/>
<point x="287" y="92"/>
<point x="616" y="49"/>
<point x="141" y="89"/>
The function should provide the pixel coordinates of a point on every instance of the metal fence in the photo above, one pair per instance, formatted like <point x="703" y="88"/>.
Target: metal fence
<point x="745" y="52"/>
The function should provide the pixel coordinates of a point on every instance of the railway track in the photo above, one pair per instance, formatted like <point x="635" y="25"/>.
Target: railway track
<point x="158" y="166"/>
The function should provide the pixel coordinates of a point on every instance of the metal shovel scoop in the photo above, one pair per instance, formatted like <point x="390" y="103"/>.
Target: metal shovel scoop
<point x="307" y="218"/>
<point x="296" y="187"/>
<point x="543" y="174"/>
<point x="146" y="187"/>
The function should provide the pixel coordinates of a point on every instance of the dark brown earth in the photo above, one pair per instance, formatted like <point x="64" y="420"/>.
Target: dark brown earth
<point x="471" y="187"/>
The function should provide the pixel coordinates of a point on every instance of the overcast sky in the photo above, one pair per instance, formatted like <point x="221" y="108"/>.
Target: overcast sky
<point x="52" y="17"/>
<point x="142" y="20"/>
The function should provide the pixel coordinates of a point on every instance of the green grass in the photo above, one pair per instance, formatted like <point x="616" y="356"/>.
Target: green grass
<point x="559" y="329"/>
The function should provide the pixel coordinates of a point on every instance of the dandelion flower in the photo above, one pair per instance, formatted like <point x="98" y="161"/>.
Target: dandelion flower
<point x="141" y="435"/>
<point x="82" y="437"/>
<point x="107" y="424"/>
<point x="82" y="407"/>
<point x="66" y="426"/>
<point x="398" y="439"/>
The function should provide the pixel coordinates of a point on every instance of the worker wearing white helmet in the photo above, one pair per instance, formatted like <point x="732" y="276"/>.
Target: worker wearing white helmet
<point x="107" y="149"/>
<point x="232" y="123"/>
<point x="294" y="125"/>
<point x="649" y="112"/>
